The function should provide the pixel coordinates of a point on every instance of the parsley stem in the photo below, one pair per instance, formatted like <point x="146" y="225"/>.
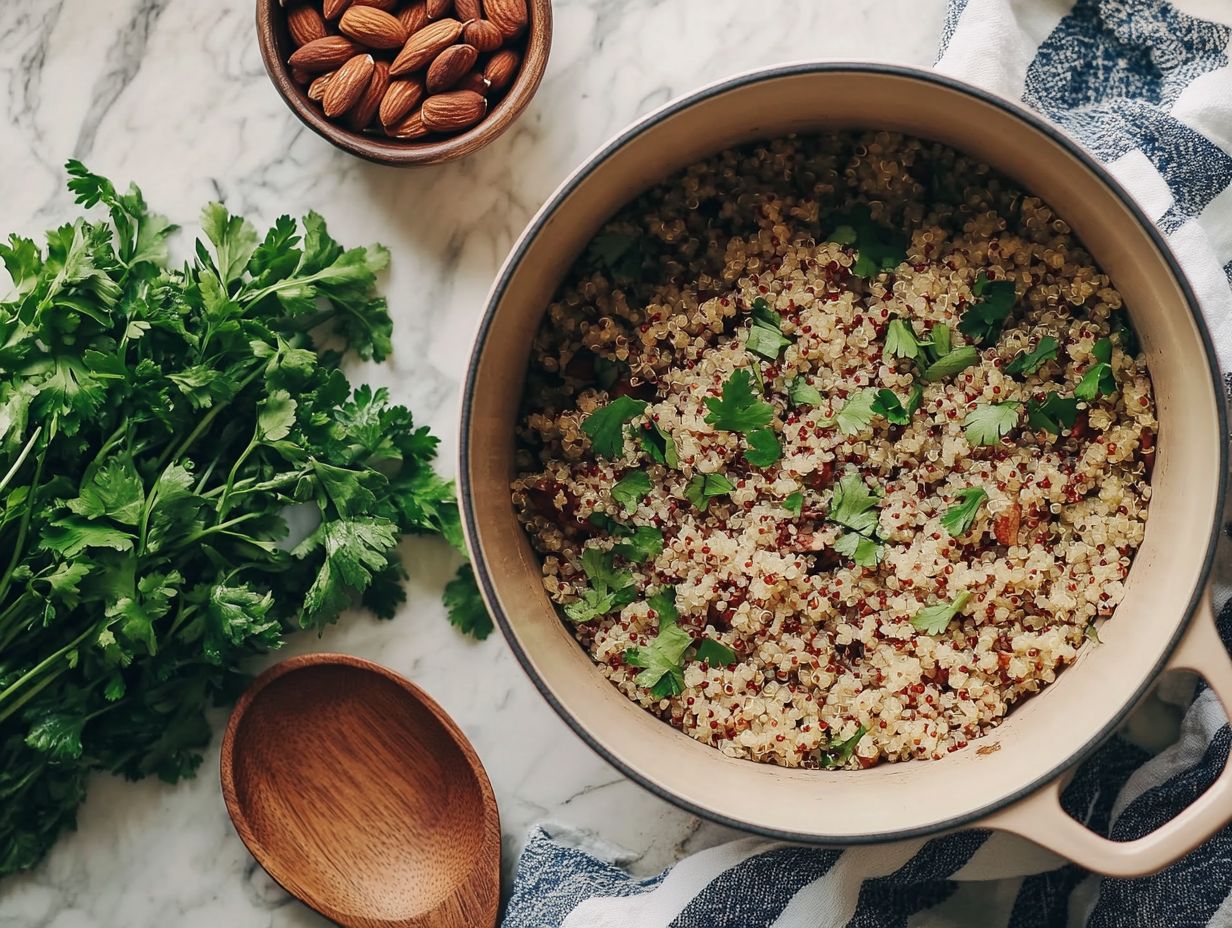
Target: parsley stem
<point x="168" y="455"/>
<point x="21" y="458"/>
<point x="31" y="504"/>
<point x="38" y="669"/>
<point x="221" y="508"/>
<point x="29" y="694"/>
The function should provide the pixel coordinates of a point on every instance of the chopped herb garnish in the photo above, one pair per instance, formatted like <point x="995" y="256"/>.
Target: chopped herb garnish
<point x="704" y="487"/>
<point x="886" y="403"/>
<point x="766" y="336"/>
<point x="838" y="753"/>
<point x="1125" y="335"/>
<point x="958" y="518"/>
<point x="607" y="372"/>
<point x="1099" y="379"/>
<point x="1092" y="633"/>
<point x="983" y="321"/>
<point x="664" y="605"/>
<point x="662" y="661"/>
<point x="740" y="409"/>
<point x="988" y="423"/>
<point x="1053" y="414"/>
<point x="644" y="542"/>
<point x="856" y="413"/>
<point x="934" y="620"/>
<point x="854" y="507"/>
<point x="620" y="253"/>
<point x="764" y="448"/>
<point x="794" y="503"/>
<point x="866" y="552"/>
<point x="763" y="315"/>
<point x="1029" y="362"/>
<point x="609" y="588"/>
<point x="942" y="339"/>
<point x="951" y="363"/>
<point x="659" y="446"/>
<point x="877" y="248"/>
<point x="901" y="341"/>
<point x="802" y="394"/>
<point x="606" y="425"/>
<point x="631" y="489"/>
<point x="715" y="653"/>
<point x="605" y="523"/>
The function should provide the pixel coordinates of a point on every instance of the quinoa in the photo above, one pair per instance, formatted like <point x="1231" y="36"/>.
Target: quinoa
<point x="791" y="644"/>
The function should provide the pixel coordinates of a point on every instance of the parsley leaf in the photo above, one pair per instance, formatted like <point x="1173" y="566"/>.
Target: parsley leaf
<point x="766" y="336"/>
<point x="764" y="448"/>
<point x="631" y="489"/>
<point x="988" y="423"/>
<point x="662" y="661"/>
<point x="877" y="248"/>
<point x="465" y="606"/>
<point x="620" y="254"/>
<point x="794" y="503"/>
<point x="606" y="425"/>
<point x="663" y="603"/>
<point x="901" y="341"/>
<point x="840" y="752"/>
<point x="740" y="409"/>
<point x="644" y="542"/>
<point x="952" y="363"/>
<point x="659" y="446"/>
<point x="1029" y="362"/>
<point x="609" y="588"/>
<point x="715" y="653"/>
<point x="957" y="519"/>
<point x="854" y="506"/>
<point x="701" y="488"/>
<point x="941" y="338"/>
<point x="1053" y="414"/>
<point x="934" y="620"/>
<point x="887" y="404"/>
<point x="857" y="413"/>
<point x="801" y="393"/>
<point x="1099" y="379"/>
<point x="983" y="321"/>
<point x="866" y="552"/>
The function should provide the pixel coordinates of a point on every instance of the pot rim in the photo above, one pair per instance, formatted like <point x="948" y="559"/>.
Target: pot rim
<point x="611" y="148"/>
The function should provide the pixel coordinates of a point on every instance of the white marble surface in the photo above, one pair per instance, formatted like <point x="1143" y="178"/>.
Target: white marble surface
<point x="172" y="93"/>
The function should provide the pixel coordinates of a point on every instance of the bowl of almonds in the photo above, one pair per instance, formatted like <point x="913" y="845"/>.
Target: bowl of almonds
<point x="406" y="82"/>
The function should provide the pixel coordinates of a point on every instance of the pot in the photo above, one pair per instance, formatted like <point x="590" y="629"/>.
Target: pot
<point x="1010" y="779"/>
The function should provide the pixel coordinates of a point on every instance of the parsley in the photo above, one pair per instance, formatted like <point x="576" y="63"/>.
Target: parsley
<point x="1053" y="414"/>
<point x="606" y="425"/>
<point x="854" y="507"/>
<point x="664" y="605"/>
<point x="631" y="489"/>
<point x="840" y="752"/>
<point x="794" y="503"/>
<point x="764" y="448"/>
<point x="766" y="336"/>
<point x="900" y="341"/>
<point x="1091" y="633"/>
<point x="958" y="518"/>
<point x="662" y="661"/>
<point x="942" y="339"/>
<point x="951" y="363"/>
<point x="988" y="423"/>
<point x="609" y="588"/>
<point x="740" y="409"/>
<point x="934" y="620"/>
<point x="158" y="419"/>
<point x="802" y="394"/>
<point x="886" y="403"/>
<point x="877" y="248"/>
<point x="620" y="254"/>
<point x="715" y="653"/>
<point x="983" y="321"/>
<point x="644" y="542"/>
<point x="658" y="445"/>
<point x="1099" y="379"/>
<point x="857" y="413"/>
<point x="1029" y="362"/>
<point x="704" y="487"/>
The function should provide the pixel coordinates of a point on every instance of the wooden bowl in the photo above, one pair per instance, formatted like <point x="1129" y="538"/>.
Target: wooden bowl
<point x="276" y="47"/>
<point x="361" y="797"/>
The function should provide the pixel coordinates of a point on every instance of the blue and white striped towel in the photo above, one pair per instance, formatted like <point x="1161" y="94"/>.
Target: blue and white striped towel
<point x="1148" y="89"/>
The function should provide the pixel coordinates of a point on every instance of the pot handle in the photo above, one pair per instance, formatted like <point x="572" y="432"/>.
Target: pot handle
<point x="1040" y="818"/>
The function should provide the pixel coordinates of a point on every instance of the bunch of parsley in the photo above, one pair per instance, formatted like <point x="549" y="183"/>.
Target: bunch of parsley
<point x="157" y="425"/>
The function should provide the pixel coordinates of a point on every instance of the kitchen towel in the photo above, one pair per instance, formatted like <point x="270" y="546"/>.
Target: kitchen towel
<point x="1148" y="89"/>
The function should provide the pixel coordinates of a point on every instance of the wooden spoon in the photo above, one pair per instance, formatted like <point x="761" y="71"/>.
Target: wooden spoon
<point x="361" y="797"/>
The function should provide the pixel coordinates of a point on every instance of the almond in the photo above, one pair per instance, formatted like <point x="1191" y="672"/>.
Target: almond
<point x="501" y="68"/>
<point x="449" y="66"/>
<point x="449" y="112"/>
<point x="348" y="85"/>
<point x="386" y="5"/>
<point x="335" y="8"/>
<point x="509" y="16"/>
<point x="438" y="8"/>
<point x="372" y="27"/>
<point x="324" y="54"/>
<point x="413" y="17"/>
<point x="401" y="97"/>
<point x="483" y="35"/>
<point x="301" y="77"/>
<point x="474" y="81"/>
<point x="364" y="111"/>
<point x="468" y="9"/>
<point x="410" y="128"/>
<point x="305" y="24"/>
<point x="316" y="90"/>
<point x="425" y="45"/>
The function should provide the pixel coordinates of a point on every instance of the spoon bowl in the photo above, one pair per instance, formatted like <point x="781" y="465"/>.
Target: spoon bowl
<point x="361" y="797"/>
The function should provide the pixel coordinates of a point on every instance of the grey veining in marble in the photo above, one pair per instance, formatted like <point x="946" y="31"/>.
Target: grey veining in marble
<point x="172" y="94"/>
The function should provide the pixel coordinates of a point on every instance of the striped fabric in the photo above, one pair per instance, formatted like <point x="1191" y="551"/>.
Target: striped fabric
<point x="1148" y="89"/>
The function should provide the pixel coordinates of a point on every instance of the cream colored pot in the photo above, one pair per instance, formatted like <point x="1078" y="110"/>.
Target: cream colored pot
<point x="1165" y="620"/>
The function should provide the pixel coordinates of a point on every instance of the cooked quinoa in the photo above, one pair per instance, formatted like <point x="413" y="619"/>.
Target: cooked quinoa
<point x="753" y="539"/>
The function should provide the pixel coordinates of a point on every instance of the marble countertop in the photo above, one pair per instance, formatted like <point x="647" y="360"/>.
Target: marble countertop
<point x="172" y="94"/>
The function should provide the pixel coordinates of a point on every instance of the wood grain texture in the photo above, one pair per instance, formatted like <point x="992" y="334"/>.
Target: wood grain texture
<point x="361" y="797"/>
<point x="276" y="46"/>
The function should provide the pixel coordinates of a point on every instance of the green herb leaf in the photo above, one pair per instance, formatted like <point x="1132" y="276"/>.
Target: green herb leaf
<point x="941" y="338"/>
<point x="610" y="588"/>
<point x="1054" y="414"/>
<point x="950" y="364"/>
<point x="983" y="321"/>
<point x="663" y="661"/>
<point x="957" y="519"/>
<point x="1099" y="379"/>
<point x="887" y="404"/>
<point x="715" y="653"/>
<point x="701" y="488"/>
<point x="659" y="446"/>
<point x="857" y="413"/>
<point x="631" y="489"/>
<point x="839" y="753"/>
<point x="901" y="341"/>
<point x="854" y="505"/>
<point x="620" y="254"/>
<point x="606" y="425"/>
<point x="1091" y="633"/>
<point x="740" y="409"/>
<point x="866" y="552"/>
<point x="988" y="423"/>
<point x="934" y="620"/>
<point x="763" y="448"/>
<point x="794" y="503"/>
<point x="664" y="605"/>
<point x="877" y="248"/>
<point x="645" y="542"/>
<point x="766" y="342"/>
<point x="802" y="394"/>
<point x="1030" y="361"/>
